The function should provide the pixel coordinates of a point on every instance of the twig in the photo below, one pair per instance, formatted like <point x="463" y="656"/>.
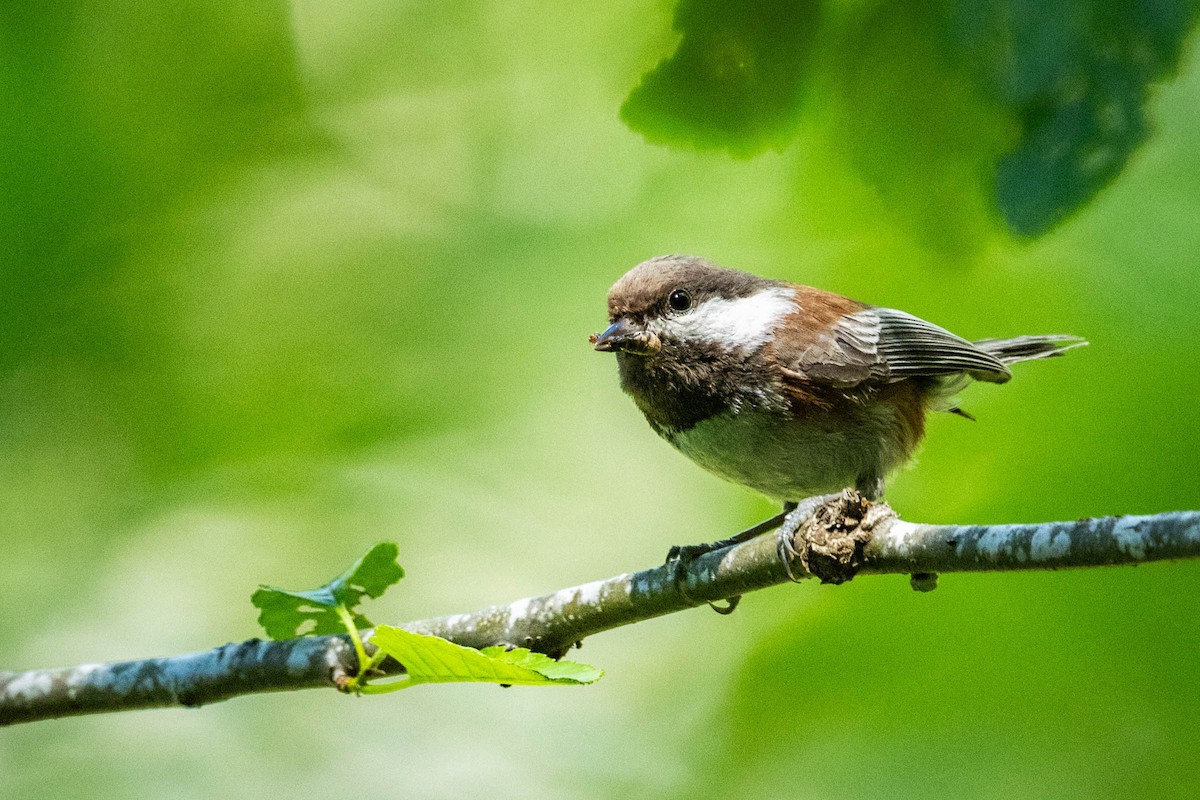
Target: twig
<point x="835" y="541"/>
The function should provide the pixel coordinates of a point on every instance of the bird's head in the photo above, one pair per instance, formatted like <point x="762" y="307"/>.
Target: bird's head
<point x="672" y="304"/>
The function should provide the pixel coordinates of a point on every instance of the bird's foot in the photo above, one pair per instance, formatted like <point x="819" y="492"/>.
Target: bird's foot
<point x="683" y="555"/>
<point x="687" y="553"/>
<point x="826" y="535"/>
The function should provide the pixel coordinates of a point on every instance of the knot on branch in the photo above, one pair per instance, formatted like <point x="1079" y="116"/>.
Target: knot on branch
<point x="829" y="544"/>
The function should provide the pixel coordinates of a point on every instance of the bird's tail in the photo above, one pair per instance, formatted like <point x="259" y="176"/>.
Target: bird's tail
<point x="1029" y="348"/>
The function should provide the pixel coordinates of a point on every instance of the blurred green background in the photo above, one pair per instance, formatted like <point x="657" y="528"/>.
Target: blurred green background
<point x="283" y="280"/>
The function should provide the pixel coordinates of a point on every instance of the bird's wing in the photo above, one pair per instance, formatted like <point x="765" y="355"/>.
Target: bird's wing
<point x="883" y="345"/>
<point x="912" y="347"/>
<point x="842" y="354"/>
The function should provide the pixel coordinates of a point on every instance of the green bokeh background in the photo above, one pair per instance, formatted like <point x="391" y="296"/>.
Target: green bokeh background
<point x="283" y="280"/>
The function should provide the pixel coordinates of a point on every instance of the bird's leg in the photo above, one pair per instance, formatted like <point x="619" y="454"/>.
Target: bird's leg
<point x="683" y="555"/>
<point x="795" y="514"/>
<point x="688" y="553"/>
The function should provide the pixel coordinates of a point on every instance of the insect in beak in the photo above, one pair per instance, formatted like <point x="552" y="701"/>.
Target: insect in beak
<point x="626" y="337"/>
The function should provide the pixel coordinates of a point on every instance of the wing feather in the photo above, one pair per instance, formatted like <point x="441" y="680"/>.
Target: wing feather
<point x="883" y="345"/>
<point x="912" y="347"/>
<point x="845" y="355"/>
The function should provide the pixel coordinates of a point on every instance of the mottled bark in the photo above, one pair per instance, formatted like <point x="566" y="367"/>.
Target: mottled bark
<point x="847" y="534"/>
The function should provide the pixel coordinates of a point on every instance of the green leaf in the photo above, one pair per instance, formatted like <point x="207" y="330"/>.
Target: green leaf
<point x="914" y="130"/>
<point x="429" y="659"/>
<point x="284" y="613"/>
<point x="959" y="113"/>
<point x="1077" y="75"/>
<point x="734" y="82"/>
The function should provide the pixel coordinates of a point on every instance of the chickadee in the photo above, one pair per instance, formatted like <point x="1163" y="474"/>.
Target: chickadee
<point x="789" y="390"/>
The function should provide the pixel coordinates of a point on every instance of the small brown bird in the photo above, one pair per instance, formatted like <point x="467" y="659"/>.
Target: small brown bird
<point x="789" y="390"/>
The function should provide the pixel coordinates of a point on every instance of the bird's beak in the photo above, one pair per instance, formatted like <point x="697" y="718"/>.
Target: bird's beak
<point x="624" y="336"/>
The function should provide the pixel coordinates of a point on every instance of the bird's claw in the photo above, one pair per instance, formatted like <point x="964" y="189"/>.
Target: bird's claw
<point x="731" y="604"/>
<point x="787" y="551"/>
<point x="687" y="553"/>
<point x="681" y="556"/>
<point x="826" y="535"/>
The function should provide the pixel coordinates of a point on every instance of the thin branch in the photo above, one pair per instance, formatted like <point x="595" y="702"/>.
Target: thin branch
<point x="834" y="541"/>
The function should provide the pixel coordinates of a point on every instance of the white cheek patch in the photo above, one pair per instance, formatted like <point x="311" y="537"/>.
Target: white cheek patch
<point x="741" y="323"/>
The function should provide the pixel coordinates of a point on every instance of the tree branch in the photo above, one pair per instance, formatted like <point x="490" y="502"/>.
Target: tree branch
<point x="833" y="541"/>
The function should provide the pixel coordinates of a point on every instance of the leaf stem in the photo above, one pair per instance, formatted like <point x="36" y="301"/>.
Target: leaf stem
<point x="390" y="686"/>
<point x="365" y="663"/>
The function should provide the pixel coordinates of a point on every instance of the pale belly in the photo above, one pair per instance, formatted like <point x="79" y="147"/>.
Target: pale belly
<point x="793" y="459"/>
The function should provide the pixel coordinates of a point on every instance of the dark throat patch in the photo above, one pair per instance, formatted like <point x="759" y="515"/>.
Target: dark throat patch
<point x="683" y="385"/>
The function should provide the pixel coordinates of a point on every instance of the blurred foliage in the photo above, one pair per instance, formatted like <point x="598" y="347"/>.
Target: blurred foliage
<point x="735" y="80"/>
<point x="281" y="280"/>
<point x="1032" y="106"/>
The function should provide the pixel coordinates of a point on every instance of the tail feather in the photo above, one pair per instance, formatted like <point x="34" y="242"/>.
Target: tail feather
<point x="1007" y="351"/>
<point x="1029" y="348"/>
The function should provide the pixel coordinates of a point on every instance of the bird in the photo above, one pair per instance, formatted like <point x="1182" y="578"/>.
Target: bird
<point x="789" y="390"/>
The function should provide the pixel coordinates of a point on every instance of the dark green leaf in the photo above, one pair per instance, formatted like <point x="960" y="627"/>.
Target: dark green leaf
<point x="958" y="113"/>
<point x="285" y="614"/>
<point x="916" y="131"/>
<point x="735" y="80"/>
<point x="1077" y="75"/>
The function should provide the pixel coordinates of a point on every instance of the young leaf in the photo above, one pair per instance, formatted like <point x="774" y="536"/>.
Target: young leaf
<point x="558" y="671"/>
<point x="283" y="613"/>
<point x="429" y="659"/>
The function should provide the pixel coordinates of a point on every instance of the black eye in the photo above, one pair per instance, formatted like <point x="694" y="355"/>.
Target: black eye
<point x="679" y="300"/>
